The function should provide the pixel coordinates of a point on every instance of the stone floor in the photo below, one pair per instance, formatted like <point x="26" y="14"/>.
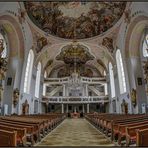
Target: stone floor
<point x="75" y="132"/>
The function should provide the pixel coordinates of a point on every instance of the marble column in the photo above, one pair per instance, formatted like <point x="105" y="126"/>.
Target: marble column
<point x="64" y="90"/>
<point x="86" y="89"/>
<point x="87" y="108"/>
<point x="62" y="108"/>
<point x="83" y="108"/>
<point x="67" y="108"/>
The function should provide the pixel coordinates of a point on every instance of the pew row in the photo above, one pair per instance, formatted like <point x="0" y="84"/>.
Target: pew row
<point x="119" y="127"/>
<point x="29" y="129"/>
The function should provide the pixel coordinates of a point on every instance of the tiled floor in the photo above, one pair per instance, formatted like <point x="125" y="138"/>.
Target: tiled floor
<point x="75" y="132"/>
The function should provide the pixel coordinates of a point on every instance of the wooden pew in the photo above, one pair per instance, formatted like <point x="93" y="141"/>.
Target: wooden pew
<point x="29" y="130"/>
<point x="131" y="133"/>
<point x="21" y="134"/>
<point x="142" y="137"/>
<point x="8" y="138"/>
<point x="120" y="126"/>
<point x="35" y="125"/>
<point x="115" y="124"/>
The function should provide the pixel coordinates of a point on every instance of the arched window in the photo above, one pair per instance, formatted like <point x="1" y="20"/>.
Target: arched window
<point x="38" y="78"/>
<point x="44" y="85"/>
<point x="112" y="81"/>
<point x="145" y="46"/>
<point x="121" y="74"/>
<point x="3" y="45"/>
<point x="28" y="72"/>
<point x="105" y="85"/>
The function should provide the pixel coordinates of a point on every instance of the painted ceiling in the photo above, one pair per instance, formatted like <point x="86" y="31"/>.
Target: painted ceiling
<point x="75" y="53"/>
<point x="75" y="20"/>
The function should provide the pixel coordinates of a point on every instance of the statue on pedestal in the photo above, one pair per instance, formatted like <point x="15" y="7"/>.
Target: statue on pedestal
<point x="134" y="97"/>
<point x="15" y="97"/>
<point x="124" y="107"/>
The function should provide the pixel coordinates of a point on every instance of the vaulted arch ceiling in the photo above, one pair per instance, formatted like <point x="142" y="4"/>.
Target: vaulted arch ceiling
<point x="50" y="43"/>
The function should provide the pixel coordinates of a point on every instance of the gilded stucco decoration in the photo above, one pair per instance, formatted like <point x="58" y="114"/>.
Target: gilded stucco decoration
<point x="108" y="43"/>
<point x="75" y="53"/>
<point x="77" y="20"/>
<point x="100" y="62"/>
<point x="41" y="41"/>
<point x="48" y="63"/>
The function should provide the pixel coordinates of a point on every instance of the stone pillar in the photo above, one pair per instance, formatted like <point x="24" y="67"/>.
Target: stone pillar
<point x="67" y="108"/>
<point x="86" y="89"/>
<point x="64" y="90"/>
<point x="83" y="108"/>
<point x="74" y="109"/>
<point x="46" y="107"/>
<point x="87" y="108"/>
<point x="62" y="108"/>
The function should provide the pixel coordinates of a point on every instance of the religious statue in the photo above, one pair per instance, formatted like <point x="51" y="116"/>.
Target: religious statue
<point x="15" y="97"/>
<point x="124" y="107"/>
<point x="134" y="97"/>
<point x="25" y="108"/>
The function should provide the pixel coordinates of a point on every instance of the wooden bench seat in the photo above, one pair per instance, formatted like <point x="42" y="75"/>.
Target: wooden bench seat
<point x="131" y="133"/>
<point x="120" y="126"/>
<point x="21" y="133"/>
<point x="115" y="125"/>
<point x="29" y="130"/>
<point x="8" y="138"/>
<point x="34" y="126"/>
<point x="142" y="139"/>
<point x="37" y="126"/>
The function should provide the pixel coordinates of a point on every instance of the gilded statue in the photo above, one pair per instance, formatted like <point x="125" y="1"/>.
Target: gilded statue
<point x="15" y="97"/>
<point x="134" y="97"/>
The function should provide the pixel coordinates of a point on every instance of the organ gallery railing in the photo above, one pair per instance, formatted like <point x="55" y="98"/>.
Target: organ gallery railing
<point x="92" y="99"/>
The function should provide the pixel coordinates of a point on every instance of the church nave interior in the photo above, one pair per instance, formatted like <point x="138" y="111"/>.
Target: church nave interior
<point x="77" y="69"/>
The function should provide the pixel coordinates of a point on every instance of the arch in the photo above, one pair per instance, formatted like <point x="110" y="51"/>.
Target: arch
<point x="134" y="33"/>
<point x="28" y="71"/>
<point x="112" y="81"/>
<point x="54" y="49"/>
<point x="121" y="74"/>
<point x="38" y="78"/>
<point x="14" y="35"/>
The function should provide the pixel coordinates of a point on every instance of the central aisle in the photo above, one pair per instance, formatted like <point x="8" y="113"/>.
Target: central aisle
<point x="75" y="132"/>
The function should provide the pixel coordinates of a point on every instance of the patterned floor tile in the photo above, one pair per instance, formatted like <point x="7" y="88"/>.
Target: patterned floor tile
<point x="75" y="132"/>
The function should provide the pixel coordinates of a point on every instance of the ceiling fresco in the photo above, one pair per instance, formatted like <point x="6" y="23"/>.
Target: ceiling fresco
<point x="75" y="53"/>
<point x="75" y="20"/>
